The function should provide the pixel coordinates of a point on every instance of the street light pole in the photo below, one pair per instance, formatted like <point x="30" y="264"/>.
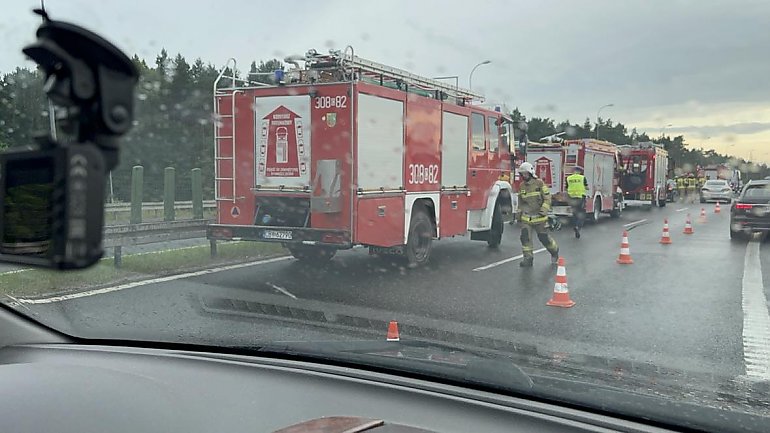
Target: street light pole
<point x="597" y="117"/>
<point x="664" y="128"/>
<point x="470" y="78"/>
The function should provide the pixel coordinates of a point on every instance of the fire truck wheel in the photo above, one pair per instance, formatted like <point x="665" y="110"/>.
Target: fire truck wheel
<point x="597" y="210"/>
<point x="617" y="210"/>
<point x="495" y="236"/>
<point x="420" y="240"/>
<point x="311" y="254"/>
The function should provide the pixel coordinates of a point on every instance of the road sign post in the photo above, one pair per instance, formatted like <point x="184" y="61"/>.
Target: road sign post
<point x="137" y="182"/>
<point x="169" y="190"/>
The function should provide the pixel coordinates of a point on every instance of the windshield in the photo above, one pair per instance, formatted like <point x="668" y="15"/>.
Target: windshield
<point x="760" y="191"/>
<point x="313" y="173"/>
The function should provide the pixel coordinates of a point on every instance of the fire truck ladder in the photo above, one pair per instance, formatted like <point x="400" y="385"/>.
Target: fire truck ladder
<point x="384" y="73"/>
<point x="221" y="141"/>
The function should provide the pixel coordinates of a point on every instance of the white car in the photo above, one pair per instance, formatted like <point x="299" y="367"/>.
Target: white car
<point x="716" y="190"/>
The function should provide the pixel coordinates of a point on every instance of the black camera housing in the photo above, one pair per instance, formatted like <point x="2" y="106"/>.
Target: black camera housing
<point x="52" y="193"/>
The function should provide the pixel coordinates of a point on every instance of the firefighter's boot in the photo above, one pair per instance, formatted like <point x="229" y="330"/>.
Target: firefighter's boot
<point x="555" y="257"/>
<point x="526" y="262"/>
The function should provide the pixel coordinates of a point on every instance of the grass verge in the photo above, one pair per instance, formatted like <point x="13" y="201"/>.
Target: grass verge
<point x="37" y="282"/>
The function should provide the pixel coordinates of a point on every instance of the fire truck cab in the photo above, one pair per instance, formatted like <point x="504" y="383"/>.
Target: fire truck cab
<point x="345" y="151"/>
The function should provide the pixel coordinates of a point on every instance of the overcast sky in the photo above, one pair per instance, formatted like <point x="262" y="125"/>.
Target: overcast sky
<point x="702" y="66"/>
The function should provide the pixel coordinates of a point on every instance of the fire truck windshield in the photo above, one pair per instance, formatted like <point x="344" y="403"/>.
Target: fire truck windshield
<point x="520" y="206"/>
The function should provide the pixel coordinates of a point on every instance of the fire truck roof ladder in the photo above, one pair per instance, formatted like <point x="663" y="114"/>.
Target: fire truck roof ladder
<point x="220" y="141"/>
<point x="380" y="72"/>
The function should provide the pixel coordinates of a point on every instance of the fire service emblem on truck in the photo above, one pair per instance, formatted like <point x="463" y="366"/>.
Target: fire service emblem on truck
<point x="282" y="144"/>
<point x="544" y="171"/>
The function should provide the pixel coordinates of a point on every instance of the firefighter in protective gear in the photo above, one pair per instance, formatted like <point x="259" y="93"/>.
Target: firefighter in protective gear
<point x="680" y="187"/>
<point x="534" y="206"/>
<point x="692" y="184"/>
<point x="576" y="190"/>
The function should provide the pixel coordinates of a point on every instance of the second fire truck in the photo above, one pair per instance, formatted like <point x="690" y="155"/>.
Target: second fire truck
<point x="553" y="162"/>
<point x="343" y="151"/>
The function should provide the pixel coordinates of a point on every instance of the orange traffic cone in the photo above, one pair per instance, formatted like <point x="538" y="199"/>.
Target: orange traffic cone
<point x="702" y="217"/>
<point x="393" y="331"/>
<point x="560" y="296"/>
<point x="717" y="209"/>
<point x="688" y="226"/>
<point x="666" y="237"/>
<point x="625" y="253"/>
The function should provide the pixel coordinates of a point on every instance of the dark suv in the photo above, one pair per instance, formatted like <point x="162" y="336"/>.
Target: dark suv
<point x="750" y="212"/>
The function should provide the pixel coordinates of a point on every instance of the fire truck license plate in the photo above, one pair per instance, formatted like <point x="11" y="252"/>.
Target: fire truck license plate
<point x="277" y="234"/>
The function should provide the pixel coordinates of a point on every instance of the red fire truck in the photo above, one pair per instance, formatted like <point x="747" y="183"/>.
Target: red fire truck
<point x="343" y="151"/>
<point x="645" y="173"/>
<point x="553" y="162"/>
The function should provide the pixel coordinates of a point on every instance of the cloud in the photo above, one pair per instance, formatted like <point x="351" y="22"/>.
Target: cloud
<point x="714" y="130"/>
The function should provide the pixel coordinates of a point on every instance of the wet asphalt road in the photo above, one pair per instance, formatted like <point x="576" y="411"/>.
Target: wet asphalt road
<point x="678" y="306"/>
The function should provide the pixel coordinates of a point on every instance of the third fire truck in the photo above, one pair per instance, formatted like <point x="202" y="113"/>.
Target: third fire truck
<point x="645" y="172"/>
<point x="342" y="151"/>
<point x="553" y="162"/>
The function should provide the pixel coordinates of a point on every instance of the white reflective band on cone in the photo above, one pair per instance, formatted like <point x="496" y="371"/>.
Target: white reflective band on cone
<point x="560" y="288"/>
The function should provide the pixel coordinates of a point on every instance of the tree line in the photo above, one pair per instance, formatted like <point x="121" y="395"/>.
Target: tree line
<point x="174" y="124"/>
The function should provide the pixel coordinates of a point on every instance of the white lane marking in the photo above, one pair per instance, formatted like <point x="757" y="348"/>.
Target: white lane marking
<point x="756" y="319"/>
<point x="682" y="209"/>
<point x="502" y="262"/>
<point x="87" y="293"/>
<point x="634" y="224"/>
<point x="282" y="290"/>
<point x="15" y="271"/>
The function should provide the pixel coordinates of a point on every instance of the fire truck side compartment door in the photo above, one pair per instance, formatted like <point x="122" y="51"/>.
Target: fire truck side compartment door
<point x="454" y="150"/>
<point x="380" y="220"/>
<point x="380" y="143"/>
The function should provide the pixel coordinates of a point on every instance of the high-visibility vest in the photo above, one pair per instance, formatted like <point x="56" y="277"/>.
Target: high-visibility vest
<point x="576" y="187"/>
<point x="691" y="182"/>
<point x="680" y="182"/>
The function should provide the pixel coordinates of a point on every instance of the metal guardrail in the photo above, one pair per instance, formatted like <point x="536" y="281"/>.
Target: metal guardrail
<point x="157" y="205"/>
<point x="149" y="233"/>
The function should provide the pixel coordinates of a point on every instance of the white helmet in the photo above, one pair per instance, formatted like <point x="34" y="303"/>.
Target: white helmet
<point x="526" y="167"/>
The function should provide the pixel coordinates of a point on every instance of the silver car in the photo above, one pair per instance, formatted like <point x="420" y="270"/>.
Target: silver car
<point x="716" y="190"/>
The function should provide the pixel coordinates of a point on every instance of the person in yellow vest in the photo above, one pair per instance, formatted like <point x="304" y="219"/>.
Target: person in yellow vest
<point x="577" y="186"/>
<point x="680" y="187"/>
<point x="534" y="206"/>
<point x="692" y="183"/>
